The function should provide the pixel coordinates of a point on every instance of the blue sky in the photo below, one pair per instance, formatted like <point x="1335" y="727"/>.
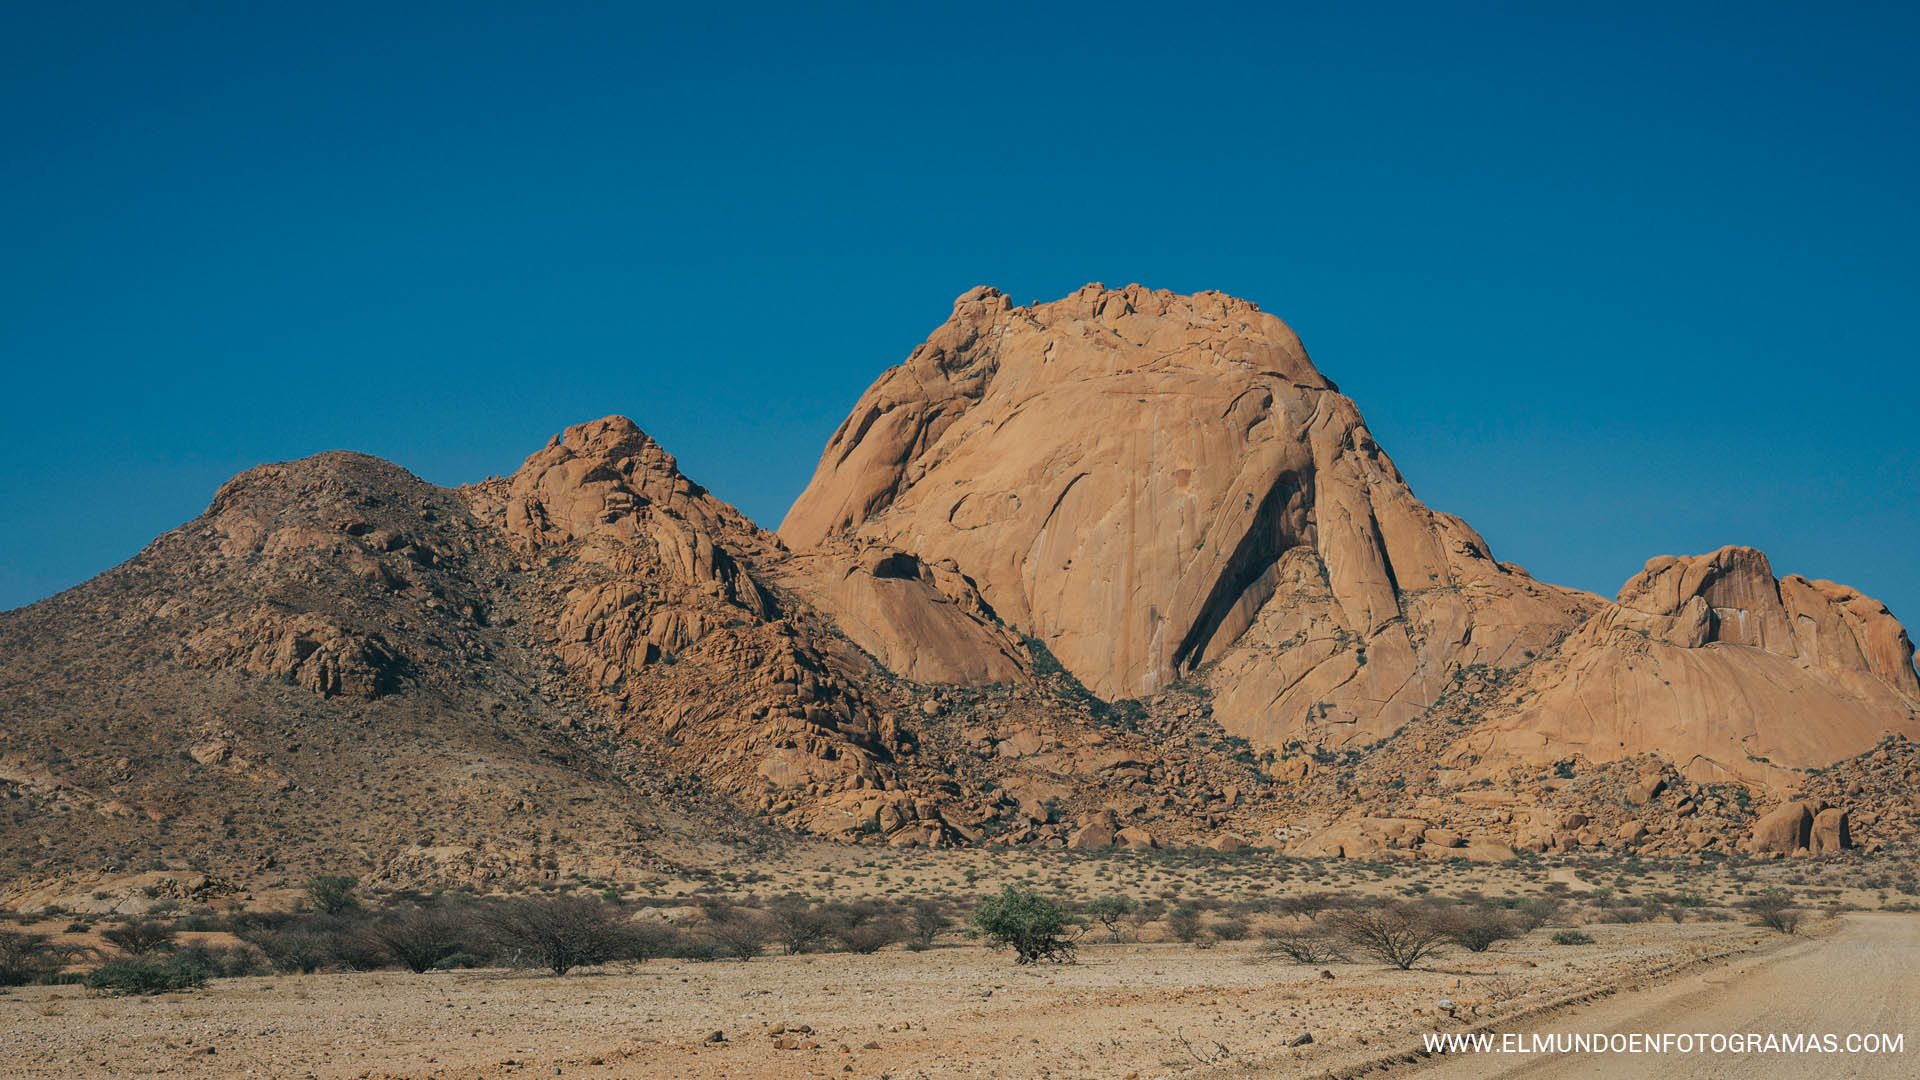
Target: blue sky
<point x="1609" y="284"/>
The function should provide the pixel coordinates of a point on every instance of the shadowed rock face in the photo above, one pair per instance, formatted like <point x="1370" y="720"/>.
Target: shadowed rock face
<point x="1144" y="481"/>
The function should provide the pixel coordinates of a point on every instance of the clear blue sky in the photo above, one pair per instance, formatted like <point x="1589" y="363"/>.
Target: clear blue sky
<point x="1609" y="284"/>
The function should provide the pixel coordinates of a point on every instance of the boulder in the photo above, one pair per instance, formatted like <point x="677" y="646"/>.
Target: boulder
<point x="1830" y="832"/>
<point x="1486" y="849"/>
<point x="1784" y="829"/>
<point x="1092" y="836"/>
<point x="1359" y="838"/>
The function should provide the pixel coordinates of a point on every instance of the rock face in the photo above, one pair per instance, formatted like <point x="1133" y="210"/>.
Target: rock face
<point x="925" y="622"/>
<point x="1714" y="664"/>
<point x="1144" y="481"/>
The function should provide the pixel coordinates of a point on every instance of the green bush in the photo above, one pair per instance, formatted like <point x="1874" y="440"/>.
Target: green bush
<point x="1572" y="937"/>
<point x="1033" y="926"/>
<point x="333" y="893"/>
<point x="233" y="962"/>
<point x="147" y="975"/>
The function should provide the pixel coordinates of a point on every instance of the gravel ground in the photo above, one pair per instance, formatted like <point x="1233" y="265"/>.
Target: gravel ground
<point x="956" y="1011"/>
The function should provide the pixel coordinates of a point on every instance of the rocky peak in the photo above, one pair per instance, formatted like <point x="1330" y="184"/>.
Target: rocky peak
<point x="1125" y="472"/>
<point x="605" y="478"/>
<point x="1730" y="596"/>
<point x="1712" y="662"/>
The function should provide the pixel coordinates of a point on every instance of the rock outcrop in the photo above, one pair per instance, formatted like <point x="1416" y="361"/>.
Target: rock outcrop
<point x="1712" y="663"/>
<point x="658" y="616"/>
<point x="922" y="621"/>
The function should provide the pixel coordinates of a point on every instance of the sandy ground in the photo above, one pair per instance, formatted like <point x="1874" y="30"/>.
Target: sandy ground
<point x="1864" y="978"/>
<point x="1124" y="1010"/>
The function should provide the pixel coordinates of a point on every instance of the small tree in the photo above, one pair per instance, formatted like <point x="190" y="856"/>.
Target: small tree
<point x="927" y="920"/>
<point x="292" y="951"/>
<point x="1774" y="909"/>
<point x="333" y="893"/>
<point x="800" y="926"/>
<point x="1537" y="911"/>
<point x="742" y="933"/>
<point x="1184" y="922"/>
<point x="1476" y="929"/>
<point x="1397" y="934"/>
<point x="1307" y="944"/>
<point x="141" y="937"/>
<point x="648" y="938"/>
<point x="25" y="957"/>
<point x="1110" y="910"/>
<point x="419" y="938"/>
<point x="561" y="933"/>
<point x="870" y="935"/>
<point x="1033" y="926"/>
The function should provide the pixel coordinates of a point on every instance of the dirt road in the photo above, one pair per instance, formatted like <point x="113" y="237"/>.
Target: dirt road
<point x="1863" y="979"/>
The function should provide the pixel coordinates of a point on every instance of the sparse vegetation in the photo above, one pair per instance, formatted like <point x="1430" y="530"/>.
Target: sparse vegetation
<point x="1397" y="934"/>
<point x="147" y="974"/>
<point x="1775" y="910"/>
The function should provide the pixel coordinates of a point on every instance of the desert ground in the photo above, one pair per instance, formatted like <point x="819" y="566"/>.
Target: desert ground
<point x="1224" y="1004"/>
<point x="1862" y="978"/>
